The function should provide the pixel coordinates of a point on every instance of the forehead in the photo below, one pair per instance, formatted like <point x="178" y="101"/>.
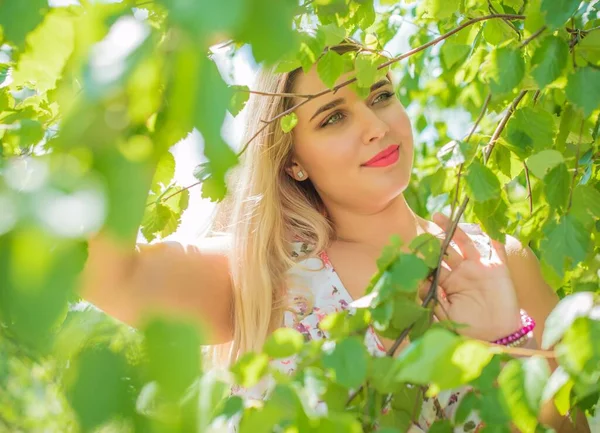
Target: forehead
<point x="309" y="84"/>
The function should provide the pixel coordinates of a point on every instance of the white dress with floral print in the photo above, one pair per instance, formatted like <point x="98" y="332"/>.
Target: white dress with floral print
<point x="315" y="290"/>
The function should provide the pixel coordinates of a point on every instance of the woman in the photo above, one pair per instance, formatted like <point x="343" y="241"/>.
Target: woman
<point x="335" y="185"/>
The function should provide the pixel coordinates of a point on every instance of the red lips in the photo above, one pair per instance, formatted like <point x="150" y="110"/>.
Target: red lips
<point x="384" y="158"/>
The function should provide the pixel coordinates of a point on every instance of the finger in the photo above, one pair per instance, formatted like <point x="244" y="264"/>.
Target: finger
<point x="500" y="250"/>
<point x="464" y="241"/>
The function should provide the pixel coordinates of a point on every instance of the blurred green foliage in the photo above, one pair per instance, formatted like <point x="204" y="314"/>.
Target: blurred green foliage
<point x="94" y="94"/>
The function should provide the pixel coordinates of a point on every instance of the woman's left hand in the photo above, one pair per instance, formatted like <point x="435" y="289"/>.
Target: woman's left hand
<point x="479" y="291"/>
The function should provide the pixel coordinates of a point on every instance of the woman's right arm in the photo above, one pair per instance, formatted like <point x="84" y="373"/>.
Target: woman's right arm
<point x="167" y="277"/>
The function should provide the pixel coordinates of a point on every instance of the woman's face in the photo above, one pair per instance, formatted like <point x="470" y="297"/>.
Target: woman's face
<point x="337" y="137"/>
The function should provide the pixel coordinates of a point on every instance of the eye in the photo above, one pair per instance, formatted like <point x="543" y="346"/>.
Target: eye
<point x="333" y="119"/>
<point x="384" y="96"/>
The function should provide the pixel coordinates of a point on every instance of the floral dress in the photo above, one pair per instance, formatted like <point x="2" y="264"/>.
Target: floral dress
<point x="316" y="290"/>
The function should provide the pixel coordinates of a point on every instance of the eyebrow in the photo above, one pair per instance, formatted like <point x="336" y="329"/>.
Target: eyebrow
<point x="340" y="101"/>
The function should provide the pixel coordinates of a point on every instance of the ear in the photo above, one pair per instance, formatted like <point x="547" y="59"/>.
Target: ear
<point x="296" y="171"/>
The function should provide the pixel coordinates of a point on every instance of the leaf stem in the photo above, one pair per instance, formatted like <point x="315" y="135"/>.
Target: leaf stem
<point x="533" y="36"/>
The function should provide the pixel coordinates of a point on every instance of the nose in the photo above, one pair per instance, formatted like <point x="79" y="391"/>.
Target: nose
<point x="373" y="127"/>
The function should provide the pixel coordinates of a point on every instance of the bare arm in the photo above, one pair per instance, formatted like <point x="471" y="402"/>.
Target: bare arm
<point x="170" y="277"/>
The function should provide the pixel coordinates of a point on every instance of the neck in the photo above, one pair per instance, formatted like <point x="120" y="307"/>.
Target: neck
<point x="376" y="228"/>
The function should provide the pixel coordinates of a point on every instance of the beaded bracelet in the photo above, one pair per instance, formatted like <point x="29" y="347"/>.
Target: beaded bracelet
<point x="519" y="338"/>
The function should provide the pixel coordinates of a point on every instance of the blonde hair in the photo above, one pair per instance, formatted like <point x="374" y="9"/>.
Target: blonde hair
<point x="267" y="211"/>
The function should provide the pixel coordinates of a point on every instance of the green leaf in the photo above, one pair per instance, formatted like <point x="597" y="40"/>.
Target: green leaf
<point x="468" y="404"/>
<point x="564" y="240"/>
<point x="165" y="171"/>
<point x="441" y="426"/>
<point x="159" y="219"/>
<point x="442" y="359"/>
<point x="250" y="368"/>
<point x="589" y="47"/>
<point x="100" y="390"/>
<point x="557" y="12"/>
<point x="528" y="130"/>
<point x="367" y="73"/>
<point x="330" y="67"/>
<point x="505" y="70"/>
<point x="284" y="342"/>
<point x="406" y="273"/>
<point x="583" y="89"/>
<point x="579" y="351"/>
<point x="267" y="27"/>
<point x="428" y="247"/>
<point x="174" y="359"/>
<point x="586" y="204"/>
<point x="556" y="382"/>
<point x="348" y="362"/>
<point x="496" y="32"/>
<point x="438" y="9"/>
<point x="238" y="101"/>
<point x="542" y="162"/>
<point x="456" y="152"/>
<point x="521" y="383"/>
<point x="557" y="184"/>
<point x="406" y="312"/>
<point x="564" y="314"/>
<point x="549" y="60"/>
<point x="48" y="48"/>
<point x="19" y="18"/>
<point x="453" y="53"/>
<point x="213" y="188"/>
<point x="493" y="216"/>
<point x="288" y="122"/>
<point x="331" y="34"/>
<point x="482" y="183"/>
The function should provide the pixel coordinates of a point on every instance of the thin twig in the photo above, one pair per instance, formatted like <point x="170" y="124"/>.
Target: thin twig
<point x="283" y="95"/>
<point x="576" y="166"/>
<point x="521" y="351"/>
<point x="529" y="195"/>
<point x="490" y="146"/>
<point x="179" y="191"/>
<point x="471" y="132"/>
<point x="533" y="36"/>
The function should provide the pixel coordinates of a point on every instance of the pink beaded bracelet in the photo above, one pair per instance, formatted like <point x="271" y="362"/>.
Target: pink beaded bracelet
<point x="522" y="335"/>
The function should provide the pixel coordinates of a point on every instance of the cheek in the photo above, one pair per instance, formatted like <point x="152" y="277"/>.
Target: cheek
<point x="330" y="153"/>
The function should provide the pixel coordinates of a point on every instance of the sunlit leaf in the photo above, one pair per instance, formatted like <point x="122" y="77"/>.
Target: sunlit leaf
<point x="564" y="240"/>
<point x="549" y="60"/>
<point x="288" y="122"/>
<point x="557" y="12"/>
<point x="347" y="362"/>
<point x="283" y="343"/>
<point x="330" y="68"/>
<point x="583" y="89"/>
<point x="482" y="183"/>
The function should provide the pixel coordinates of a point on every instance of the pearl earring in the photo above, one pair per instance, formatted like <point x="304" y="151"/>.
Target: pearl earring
<point x="300" y="175"/>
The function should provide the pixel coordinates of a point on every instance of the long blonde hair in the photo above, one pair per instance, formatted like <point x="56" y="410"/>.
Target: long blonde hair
<point x="267" y="212"/>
